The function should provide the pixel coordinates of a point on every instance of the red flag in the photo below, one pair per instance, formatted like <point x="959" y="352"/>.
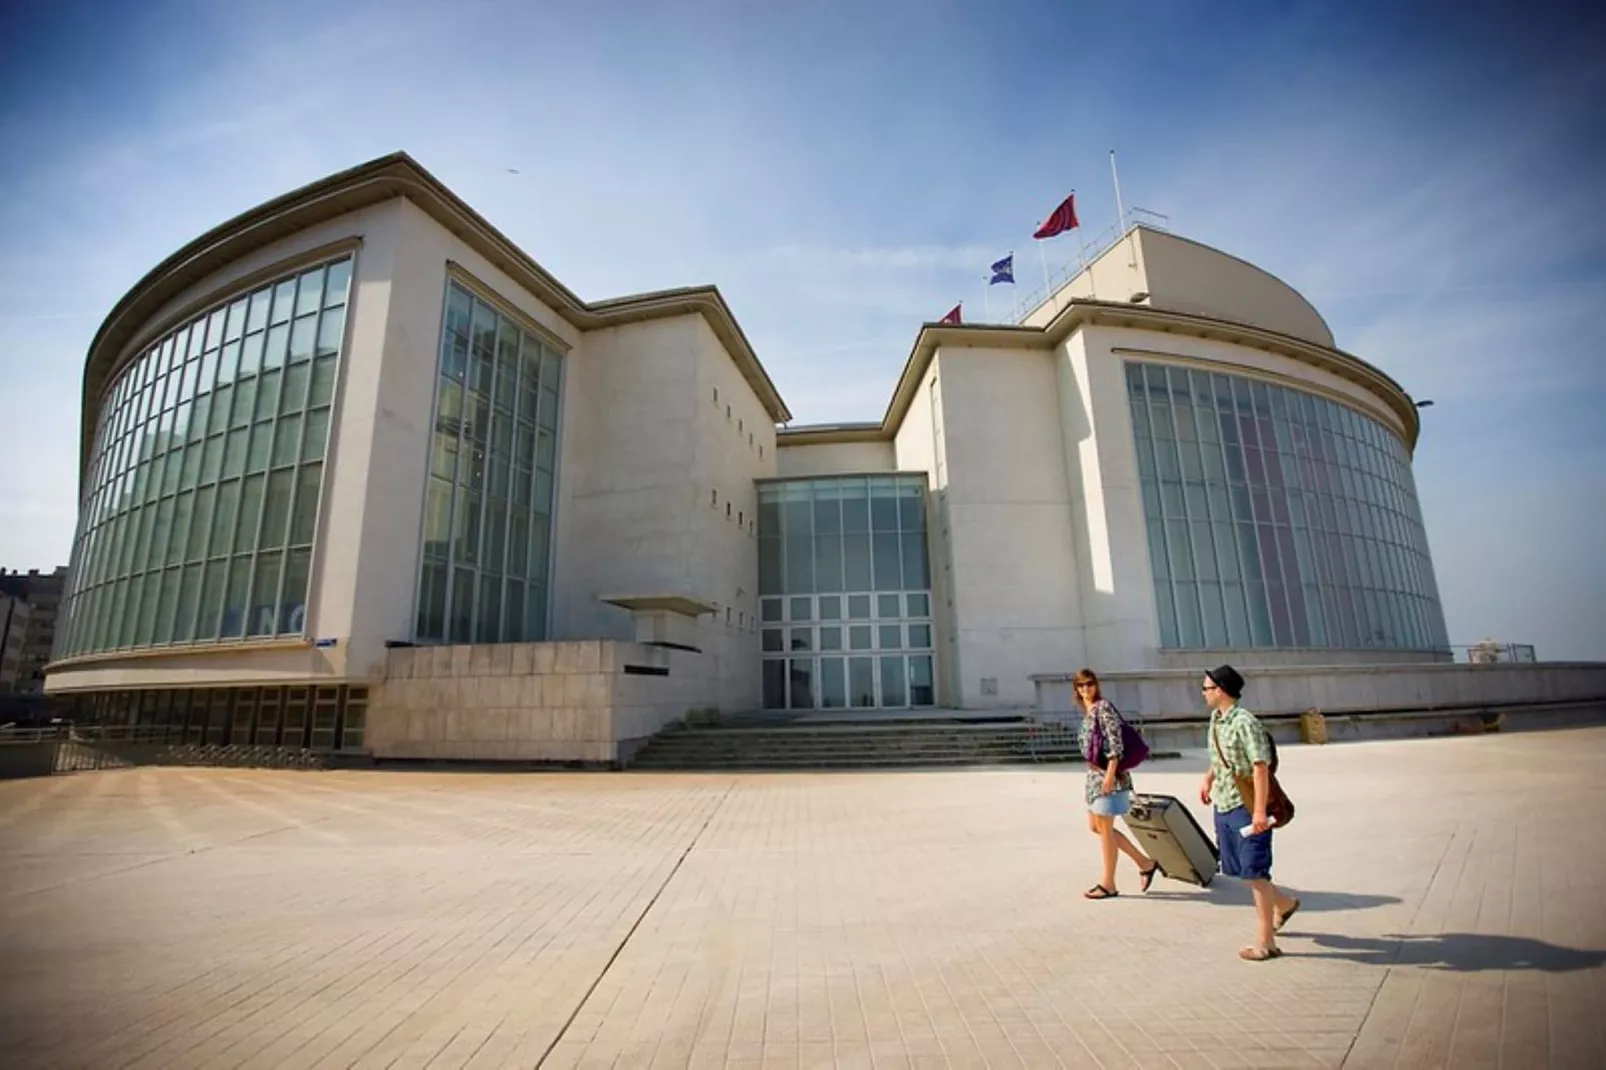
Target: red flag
<point x="953" y="314"/>
<point x="1063" y="219"/>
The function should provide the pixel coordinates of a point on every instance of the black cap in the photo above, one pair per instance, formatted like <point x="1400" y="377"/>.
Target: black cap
<point x="1226" y="677"/>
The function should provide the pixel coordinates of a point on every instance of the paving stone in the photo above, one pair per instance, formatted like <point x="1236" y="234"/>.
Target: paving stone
<point x="1454" y="915"/>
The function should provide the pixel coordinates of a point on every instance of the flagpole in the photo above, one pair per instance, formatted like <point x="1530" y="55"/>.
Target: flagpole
<point x="1081" y="245"/>
<point x="1120" y="210"/>
<point x="1120" y="222"/>
<point x="987" y="298"/>
<point x="1048" y="290"/>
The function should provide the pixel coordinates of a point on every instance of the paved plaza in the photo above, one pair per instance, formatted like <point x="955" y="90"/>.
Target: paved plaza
<point x="1454" y="915"/>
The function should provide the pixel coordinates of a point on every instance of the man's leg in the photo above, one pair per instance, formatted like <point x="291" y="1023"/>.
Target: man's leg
<point x="1265" y="902"/>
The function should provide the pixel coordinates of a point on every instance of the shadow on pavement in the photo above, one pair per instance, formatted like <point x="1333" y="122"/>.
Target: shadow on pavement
<point x="1456" y="952"/>
<point x="1225" y="892"/>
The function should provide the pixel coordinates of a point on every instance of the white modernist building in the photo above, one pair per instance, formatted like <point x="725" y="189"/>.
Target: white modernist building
<point x="358" y="473"/>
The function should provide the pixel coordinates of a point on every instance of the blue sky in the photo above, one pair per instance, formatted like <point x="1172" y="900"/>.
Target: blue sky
<point x="1429" y="177"/>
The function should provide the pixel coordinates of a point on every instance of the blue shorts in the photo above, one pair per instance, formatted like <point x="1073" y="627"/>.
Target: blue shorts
<point x="1248" y="858"/>
<point x="1115" y="804"/>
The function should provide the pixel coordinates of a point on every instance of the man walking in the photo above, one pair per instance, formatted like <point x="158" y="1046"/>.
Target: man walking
<point x="1240" y="755"/>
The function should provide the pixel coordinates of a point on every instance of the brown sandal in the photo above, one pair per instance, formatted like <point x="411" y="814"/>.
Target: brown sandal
<point x="1259" y="954"/>
<point x="1146" y="878"/>
<point x="1098" y="891"/>
<point x="1282" y="919"/>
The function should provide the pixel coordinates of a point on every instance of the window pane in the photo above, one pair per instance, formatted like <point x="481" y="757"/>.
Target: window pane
<point x="861" y="682"/>
<point x="775" y="684"/>
<point x="800" y="678"/>
<point x="922" y="687"/>
<point x="894" y="680"/>
<point x="293" y="599"/>
<point x="833" y="683"/>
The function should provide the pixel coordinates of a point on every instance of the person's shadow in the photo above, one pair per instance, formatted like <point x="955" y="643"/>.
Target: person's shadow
<point x="1231" y="892"/>
<point x="1454" y="952"/>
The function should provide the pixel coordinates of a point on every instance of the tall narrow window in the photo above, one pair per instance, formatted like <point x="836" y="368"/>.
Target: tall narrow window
<point x="493" y="469"/>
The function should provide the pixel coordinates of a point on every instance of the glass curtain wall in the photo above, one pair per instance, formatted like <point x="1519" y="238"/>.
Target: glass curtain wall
<point x="488" y="510"/>
<point x="1277" y="518"/>
<point x="845" y="593"/>
<point x="201" y="498"/>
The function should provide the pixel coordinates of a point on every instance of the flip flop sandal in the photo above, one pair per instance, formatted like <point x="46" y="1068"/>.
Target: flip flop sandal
<point x="1146" y="878"/>
<point x="1098" y="891"/>
<point x="1259" y="954"/>
<point x="1282" y="919"/>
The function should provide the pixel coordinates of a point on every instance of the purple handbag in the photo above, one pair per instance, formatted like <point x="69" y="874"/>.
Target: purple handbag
<point x="1134" y="749"/>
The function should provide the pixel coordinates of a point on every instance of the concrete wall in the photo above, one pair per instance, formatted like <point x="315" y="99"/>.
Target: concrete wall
<point x="630" y="506"/>
<point x="541" y="702"/>
<point x="835" y="458"/>
<point x="1339" y="688"/>
<point x="1115" y="276"/>
<point x="1009" y="522"/>
<point x="734" y="448"/>
<point x="921" y="446"/>
<point x="1187" y="276"/>
<point x="1180" y="275"/>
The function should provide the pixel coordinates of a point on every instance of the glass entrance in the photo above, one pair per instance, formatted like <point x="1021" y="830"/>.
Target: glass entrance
<point x="845" y="598"/>
<point x="870" y="650"/>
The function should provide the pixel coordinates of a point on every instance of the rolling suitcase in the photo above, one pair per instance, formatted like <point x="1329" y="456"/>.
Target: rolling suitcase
<point x="1167" y="833"/>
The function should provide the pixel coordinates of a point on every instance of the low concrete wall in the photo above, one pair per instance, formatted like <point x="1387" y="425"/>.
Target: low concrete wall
<point x="589" y="702"/>
<point x="1173" y="694"/>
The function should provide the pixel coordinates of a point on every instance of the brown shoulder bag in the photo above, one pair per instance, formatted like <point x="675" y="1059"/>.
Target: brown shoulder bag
<point x="1279" y="807"/>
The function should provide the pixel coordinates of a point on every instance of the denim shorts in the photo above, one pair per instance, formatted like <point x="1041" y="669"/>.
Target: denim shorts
<point x="1115" y="804"/>
<point x="1245" y="857"/>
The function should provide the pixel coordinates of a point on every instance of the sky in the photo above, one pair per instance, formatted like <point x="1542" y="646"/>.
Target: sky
<point x="1428" y="174"/>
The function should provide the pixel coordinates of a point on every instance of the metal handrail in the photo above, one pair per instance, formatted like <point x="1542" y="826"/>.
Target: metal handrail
<point x="1088" y="250"/>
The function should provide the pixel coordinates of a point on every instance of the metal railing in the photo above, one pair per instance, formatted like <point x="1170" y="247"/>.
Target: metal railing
<point x="1491" y="653"/>
<point x="1087" y="251"/>
<point x="67" y="748"/>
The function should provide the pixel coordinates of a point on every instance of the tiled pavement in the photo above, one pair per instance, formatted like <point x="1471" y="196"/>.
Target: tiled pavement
<point x="1454" y="890"/>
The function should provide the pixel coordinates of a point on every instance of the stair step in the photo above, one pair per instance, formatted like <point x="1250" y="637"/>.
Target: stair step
<point x="780" y="743"/>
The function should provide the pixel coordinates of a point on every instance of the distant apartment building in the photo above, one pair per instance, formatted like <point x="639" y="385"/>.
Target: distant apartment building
<point x="38" y="594"/>
<point x="13" y="626"/>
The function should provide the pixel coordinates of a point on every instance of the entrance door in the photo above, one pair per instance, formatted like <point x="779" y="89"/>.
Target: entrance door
<point x="859" y="651"/>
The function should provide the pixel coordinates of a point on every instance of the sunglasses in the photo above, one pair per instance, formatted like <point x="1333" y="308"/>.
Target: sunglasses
<point x="1085" y="687"/>
<point x="1207" y="688"/>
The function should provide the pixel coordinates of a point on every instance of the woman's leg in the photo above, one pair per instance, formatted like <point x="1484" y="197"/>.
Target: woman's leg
<point x="1130" y="849"/>
<point x="1107" y="835"/>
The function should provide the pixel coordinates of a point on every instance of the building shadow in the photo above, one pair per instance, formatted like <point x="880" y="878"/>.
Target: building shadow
<point x="1456" y="952"/>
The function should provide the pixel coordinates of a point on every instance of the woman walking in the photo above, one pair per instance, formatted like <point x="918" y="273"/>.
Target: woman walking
<point x="1238" y="788"/>
<point x="1109" y="788"/>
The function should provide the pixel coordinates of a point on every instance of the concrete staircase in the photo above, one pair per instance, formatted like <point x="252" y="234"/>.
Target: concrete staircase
<point x="932" y="739"/>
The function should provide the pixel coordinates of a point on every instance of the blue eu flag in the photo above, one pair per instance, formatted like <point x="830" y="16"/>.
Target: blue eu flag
<point x="1003" y="271"/>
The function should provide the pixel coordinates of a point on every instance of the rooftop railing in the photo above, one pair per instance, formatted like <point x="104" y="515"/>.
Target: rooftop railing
<point x="1087" y="251"/>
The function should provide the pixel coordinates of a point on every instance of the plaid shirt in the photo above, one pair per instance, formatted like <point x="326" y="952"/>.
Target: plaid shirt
<point x="1239" y="739"/>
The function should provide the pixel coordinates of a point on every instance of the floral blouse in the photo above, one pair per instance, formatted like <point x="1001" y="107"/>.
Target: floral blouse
<point x="1103" y="718"/>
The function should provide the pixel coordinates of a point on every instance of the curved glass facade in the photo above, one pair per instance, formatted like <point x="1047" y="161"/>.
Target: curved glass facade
<point x="1277" y="518"/>
<point x="844" y="583"/>
<point x="201" y="494"/>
